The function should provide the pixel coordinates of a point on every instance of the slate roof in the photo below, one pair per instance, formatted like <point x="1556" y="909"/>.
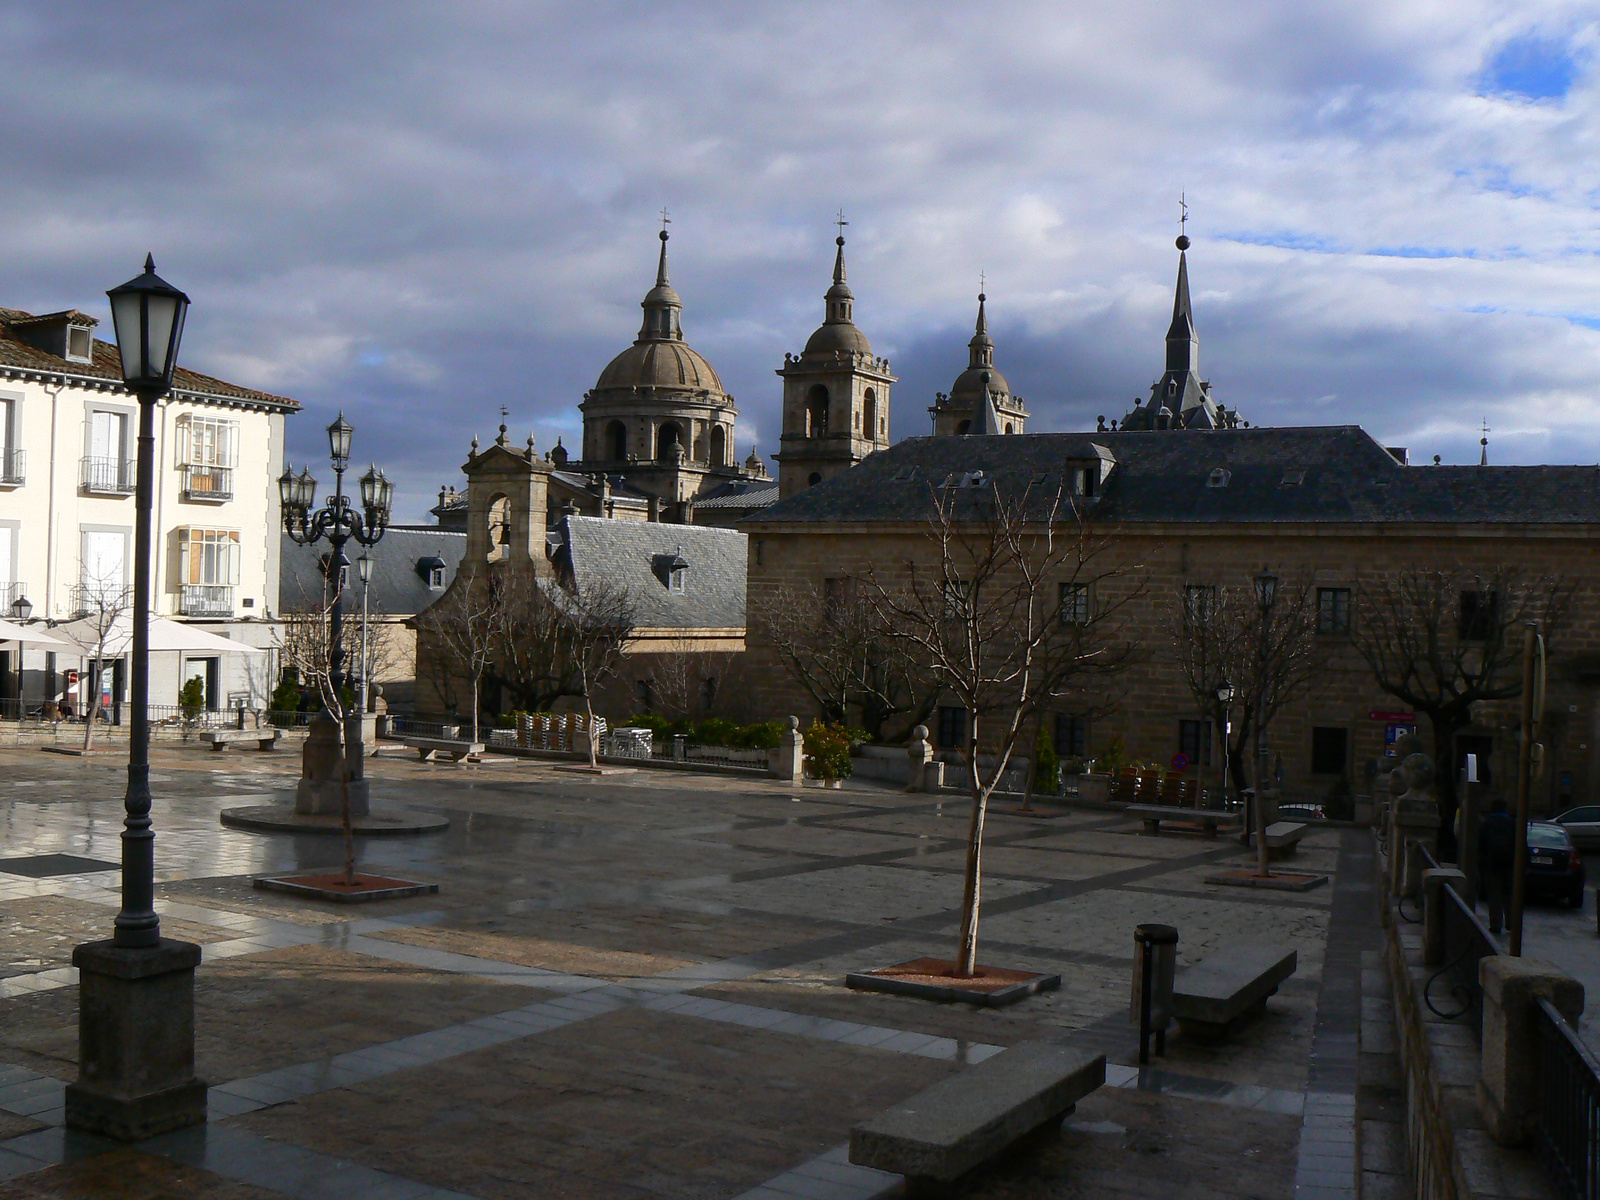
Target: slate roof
<point x="624" y="554"/>
<point x="744" y="493"/>
<point x="1166" y="477"/>
<point x="398" y="589"/>
<point x="18" y="355"/>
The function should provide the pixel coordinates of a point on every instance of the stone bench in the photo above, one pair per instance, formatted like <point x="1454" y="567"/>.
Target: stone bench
<point x="1212" y="996"/>
<point x="1283" y="839"/>
<point x="428" y="749"/>
<point x="221" y="739"/>
<point x="1154" y="814"/>
<point x="959" y="1123"/>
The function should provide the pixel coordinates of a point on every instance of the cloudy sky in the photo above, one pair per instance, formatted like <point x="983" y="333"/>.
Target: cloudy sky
<point x="422" y="212"/>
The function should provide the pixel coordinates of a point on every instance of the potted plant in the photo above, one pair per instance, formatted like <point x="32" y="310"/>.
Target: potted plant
<point x="828" y="752"/>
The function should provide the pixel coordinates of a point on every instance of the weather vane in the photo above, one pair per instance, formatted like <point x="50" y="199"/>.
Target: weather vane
<point x="1183" y="219"/>
<point x="665" y="220"/>
<point x="840" y="222"/>
<point x="981" y="280"/>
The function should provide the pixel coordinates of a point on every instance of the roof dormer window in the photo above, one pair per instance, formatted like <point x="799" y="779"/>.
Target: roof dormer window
<point x="80" y="344"/>
<point x="1218" y="478"/>
<point x="672" y="570"/>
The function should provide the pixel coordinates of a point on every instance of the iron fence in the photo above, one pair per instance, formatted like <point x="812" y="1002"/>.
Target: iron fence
<point x="678" y="748"/>
<point x="108" y="476"/>
<point x="1566" y="1133"/>
<point x="1466" y="942"/>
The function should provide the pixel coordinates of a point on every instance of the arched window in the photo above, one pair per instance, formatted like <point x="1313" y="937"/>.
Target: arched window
<point x="1008" y="427"/>
<point x="964" y="428"/>
<point x="700" y="448"/>
<point x="667" y="437"/>
<point x="499" y="528"/>
<point x="616" y="446"/>
<point x="869" y="412"/>
<point x="719" y="446"/>
<point x="817" y="412"/>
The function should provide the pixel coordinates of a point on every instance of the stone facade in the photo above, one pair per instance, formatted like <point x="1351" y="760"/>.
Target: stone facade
<point x="1357" y="514"/>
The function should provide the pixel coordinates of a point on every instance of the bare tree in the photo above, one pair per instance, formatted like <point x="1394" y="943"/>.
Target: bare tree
<point x="1267" y="653"/>
<point x="1443" y="642"/>
<point x="465" y="626"/>
<point x="1016" y="607"/>
<point x="685" y="683"/>
<point x="831" y="641"/>
<point x="531" y="656"/>
<point x="599" y="621"/>
<point x="107" y="600"/>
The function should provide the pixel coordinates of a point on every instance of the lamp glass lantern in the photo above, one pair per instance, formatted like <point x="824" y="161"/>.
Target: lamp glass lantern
<point x="148" y="313"/>
<point x="364" y="568"/>
<point x="23" y="607"/>
<point x="339" y="434"/>
<point x="305" y="490"/>
<point x="370" y="488"/>
<point x="1225" y="692"/>
<point x="1266" y="589"/>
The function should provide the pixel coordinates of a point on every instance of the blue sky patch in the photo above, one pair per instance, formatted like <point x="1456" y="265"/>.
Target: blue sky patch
<point x="1533" y="67"/>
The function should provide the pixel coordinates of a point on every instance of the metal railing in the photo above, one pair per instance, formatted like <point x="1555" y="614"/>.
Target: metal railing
<point x="205" y="600"/>
<point x="108" y="476"/>
<point x="1466" y="941"/>
<point x="87" y="600"/>
<point x="1566" y="1133"/>
<point x="207" y="483"/>
<point x="678" y="748"/>
<point x="13" y="467"/>
<point x="10" y="593"/>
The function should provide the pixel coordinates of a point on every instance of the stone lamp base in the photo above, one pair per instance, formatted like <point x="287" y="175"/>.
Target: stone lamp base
<point x="135" y="1041"/>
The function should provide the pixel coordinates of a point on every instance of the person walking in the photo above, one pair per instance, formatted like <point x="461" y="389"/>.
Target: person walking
<point x="1497" y="846"/>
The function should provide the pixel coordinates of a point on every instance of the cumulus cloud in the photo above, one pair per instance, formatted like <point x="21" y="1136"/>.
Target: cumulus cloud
<point x="426" y="212"/>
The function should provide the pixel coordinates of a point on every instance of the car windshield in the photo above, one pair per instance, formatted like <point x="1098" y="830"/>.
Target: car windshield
<point x="1548" y="837"/>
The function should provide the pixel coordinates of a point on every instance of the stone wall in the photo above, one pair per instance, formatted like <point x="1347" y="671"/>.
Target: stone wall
<point x="1150" y="699"/>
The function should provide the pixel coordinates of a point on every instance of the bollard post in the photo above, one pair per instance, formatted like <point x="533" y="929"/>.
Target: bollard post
<point x="1152" y="985"/>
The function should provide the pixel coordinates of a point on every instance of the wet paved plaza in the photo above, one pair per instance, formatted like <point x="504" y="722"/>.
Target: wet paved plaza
<point x="632" y="986"/>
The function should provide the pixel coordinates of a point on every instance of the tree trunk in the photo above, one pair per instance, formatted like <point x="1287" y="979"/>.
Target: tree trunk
<point x="588" y="709"/>
<point x="1444" y="739"/>
<point x="475" y="684"/>
<point x="967" y="963"/>
<point x="1033" y="766"/>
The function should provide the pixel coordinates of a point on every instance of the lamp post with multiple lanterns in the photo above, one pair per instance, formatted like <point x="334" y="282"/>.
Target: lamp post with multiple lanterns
<point x="338" y="522"/>
<point x="136" y="991"/>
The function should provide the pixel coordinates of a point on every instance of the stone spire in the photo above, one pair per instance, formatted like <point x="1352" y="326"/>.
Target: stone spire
<point x="839" y="299"/>
<point x="980" y="350"/>
<point x="1183" y="344"/>
<point x="662" y="306"/>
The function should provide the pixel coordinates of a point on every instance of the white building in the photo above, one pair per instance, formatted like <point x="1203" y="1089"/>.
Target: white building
<point x="68" y="430"/>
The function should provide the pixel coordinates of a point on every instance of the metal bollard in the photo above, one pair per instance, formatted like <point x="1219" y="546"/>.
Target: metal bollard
<point x="1153" y="970"/>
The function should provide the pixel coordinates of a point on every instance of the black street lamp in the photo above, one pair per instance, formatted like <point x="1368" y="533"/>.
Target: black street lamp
<point x="22" y="607"/>
<point x="136" y="991"/>
<point x="338" y="521"/>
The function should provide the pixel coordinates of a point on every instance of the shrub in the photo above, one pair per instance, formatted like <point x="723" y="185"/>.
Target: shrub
<point x="1075" y="766"/>
<point x="828" y="749"/>
<point x="1046" y="766"/>
<point x="192" y="697"/>
<point x="1113" y="758"/>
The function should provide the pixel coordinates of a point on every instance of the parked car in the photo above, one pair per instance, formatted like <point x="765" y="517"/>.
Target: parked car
<point x="1555" y="868"/>
<point x="1583" y="824"/>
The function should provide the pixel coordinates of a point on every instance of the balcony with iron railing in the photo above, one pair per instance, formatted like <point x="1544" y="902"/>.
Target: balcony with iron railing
<point x="205" y="600"/>
<point x="13" y="468"/>
<point x="87" y="600"/>
<point x="207" y="483"/>
<point x="108" y="476"/>
<point x="10" y="593"/>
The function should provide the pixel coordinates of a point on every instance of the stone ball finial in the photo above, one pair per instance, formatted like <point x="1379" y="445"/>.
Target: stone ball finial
<point x="920" y="733"/>
<point x="1183" y="242"/>
<point x="474" y="443"/>
<point x="794" y="724"/>
<point x="1417" y="771"/>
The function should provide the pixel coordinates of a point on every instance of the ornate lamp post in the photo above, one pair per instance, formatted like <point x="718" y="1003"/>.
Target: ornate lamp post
<point x="1266" y="597"/>
<point x="338" y="521"/>
<point x="136" y="991"/>
<point x="364" y="567"/>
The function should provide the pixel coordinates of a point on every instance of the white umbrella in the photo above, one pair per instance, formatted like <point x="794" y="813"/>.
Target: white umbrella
<point x="10" y="631"/>
<point x="165" y="635"/>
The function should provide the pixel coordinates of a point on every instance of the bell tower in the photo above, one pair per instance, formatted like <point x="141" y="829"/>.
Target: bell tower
<point x="835" y="395"/>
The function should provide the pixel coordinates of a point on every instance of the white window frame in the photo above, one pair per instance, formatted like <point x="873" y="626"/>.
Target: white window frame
<point x="224" y="434"/>
<point x="228" y="539"/>
<point x="130" y="427"/>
